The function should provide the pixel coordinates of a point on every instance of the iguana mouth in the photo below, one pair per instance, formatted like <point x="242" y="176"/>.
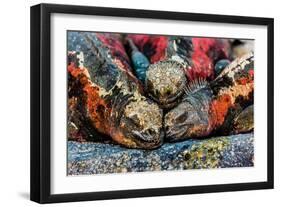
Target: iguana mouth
<point x="141" y="121"/>
<point x="175" y="132"/>
<point x="148" y="140"/>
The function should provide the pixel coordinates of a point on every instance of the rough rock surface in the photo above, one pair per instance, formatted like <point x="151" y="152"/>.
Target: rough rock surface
<point x="217" y="152"/>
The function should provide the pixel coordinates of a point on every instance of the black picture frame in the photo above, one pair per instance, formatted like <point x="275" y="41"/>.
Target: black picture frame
<point x="41" y="95"/>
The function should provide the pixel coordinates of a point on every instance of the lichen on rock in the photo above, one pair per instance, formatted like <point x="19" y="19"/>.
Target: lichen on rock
<point x="205" y="154"/>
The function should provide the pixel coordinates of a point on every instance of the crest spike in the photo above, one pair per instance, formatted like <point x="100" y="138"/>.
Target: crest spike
<point x="195" y="85"/>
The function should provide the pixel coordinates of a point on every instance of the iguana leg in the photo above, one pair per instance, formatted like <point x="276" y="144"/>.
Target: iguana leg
<point x="244" y="122"/>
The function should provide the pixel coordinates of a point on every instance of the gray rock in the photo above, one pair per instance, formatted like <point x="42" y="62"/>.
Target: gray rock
<point x="217" y="152"/>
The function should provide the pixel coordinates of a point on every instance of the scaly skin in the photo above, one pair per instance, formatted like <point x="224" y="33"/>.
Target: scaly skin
<point x="244" y="121"/>
<point x="139" y="61"/>
<point x="174" y="61"/>
<point x="205" y="106"/>
<point x="165" y="76"/>
<point x="107" y="97"/>
<point x="110" y="95"/>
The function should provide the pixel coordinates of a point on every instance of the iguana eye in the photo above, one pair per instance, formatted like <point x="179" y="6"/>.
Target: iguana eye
<point x="168" y="91"/>
<point x="134" y="119"/>
<point x="182" y="117"/>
